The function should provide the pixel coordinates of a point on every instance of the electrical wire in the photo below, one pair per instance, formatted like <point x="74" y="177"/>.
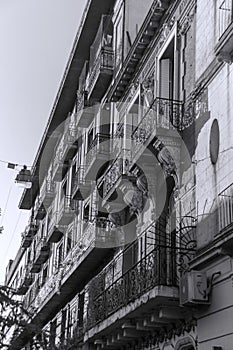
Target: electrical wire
<point x="14" y="164"/>
<point x="5" y="207"/>
<point x="12" y="236"/>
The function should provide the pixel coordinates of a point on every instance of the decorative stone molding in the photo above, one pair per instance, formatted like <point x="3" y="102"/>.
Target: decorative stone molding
<point x="185" y="25"/>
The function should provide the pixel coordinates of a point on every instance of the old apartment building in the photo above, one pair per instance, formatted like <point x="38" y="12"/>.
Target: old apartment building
<point x="130" y="239"/>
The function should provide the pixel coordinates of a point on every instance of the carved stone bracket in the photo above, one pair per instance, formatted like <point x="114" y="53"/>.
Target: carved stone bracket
<point x="184" y="27"/>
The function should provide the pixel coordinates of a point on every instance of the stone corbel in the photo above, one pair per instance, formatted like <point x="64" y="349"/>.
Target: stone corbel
<point x="225" y="57"/>
<point x="184" y="27"/>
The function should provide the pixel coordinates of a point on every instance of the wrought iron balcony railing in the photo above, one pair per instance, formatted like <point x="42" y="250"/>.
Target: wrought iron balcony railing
<point x="100" y="233"/>
<point x="39" y="209"/>
<point x="162" y="116"/>
<point x="101" y="60"/>
<point x="153" y="269"/>
<point x="97" y="155"/>
<point x="69" y="141"/>
<point x="80" y="186"/>
<point x="225" y="208"/>
<point x="42" y="252"/>
<point x="47" y="192"/>
<point x="224" y="15"/>
<point x="25" y="281"/>
<point x="55" y="231"/>
<point x="85" y="110"/>
<point x="224" y="47"/>
<point x="68" y="209"/>
<point x="159" y="256"/>
<point x="28" y="234"/>
<point x="117" y="171"/>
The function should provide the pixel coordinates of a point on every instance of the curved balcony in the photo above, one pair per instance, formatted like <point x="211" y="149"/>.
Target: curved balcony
<point x="67" y="211"/>
<point x="85" y="112"/>
<point x="28" y="234"/>
<point x="116" y="174"/>
<point x="55" y="231"/>
<point x="69" y="140"/>
<point x="39" y="209"/>
<point x="125" y="290"/>
<point x="101" y="60"/>
<point x="81" y="187"/>
<point x="25" y="282"/>
<point x="163" y="118"/>
<point x="97" y="155"/>
<point x="47" y="192"/>
<point x="42" y="252"/>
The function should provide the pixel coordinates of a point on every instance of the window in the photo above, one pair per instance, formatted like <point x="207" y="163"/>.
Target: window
<point x="68" y="242"/>
<point x="44" y="275"/>
<point x="59" y="254"/>
<point x="53" y="327"/>
<point x="118" y="39"/>
<point x="166" y="73"/>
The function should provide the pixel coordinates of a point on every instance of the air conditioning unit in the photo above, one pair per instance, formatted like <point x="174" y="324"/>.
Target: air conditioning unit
<point x="193" y="288"/>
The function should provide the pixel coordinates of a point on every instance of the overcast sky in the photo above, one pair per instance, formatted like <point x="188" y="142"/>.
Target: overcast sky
<point x="35" y="38"/>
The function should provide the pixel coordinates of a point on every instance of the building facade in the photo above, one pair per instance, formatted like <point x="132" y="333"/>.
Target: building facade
<point x="130" y="243"/>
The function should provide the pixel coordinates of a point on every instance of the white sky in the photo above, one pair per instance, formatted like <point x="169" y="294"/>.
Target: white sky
<point x="36" y="37"/>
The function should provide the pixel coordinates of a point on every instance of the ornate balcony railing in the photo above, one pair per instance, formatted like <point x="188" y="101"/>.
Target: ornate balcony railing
<point x="39" y="209"/>
<point x="55" y="231"/>
<point x="28" y="234"/>
<point x="225" y="208"/>
<point x="101" y="60"/>
<point x="69" y="140"/>
<point x="47" y="192"/>
<point x="42" y="251"/>
<point x="25" y="281"/>
<point x="117" y="141"/>
<point x="80" y="186"/>
<point x="85" y="110"/>
<point x="164" y="115"/>
<point x="99" y="232"/>
<point x="68" y="209"/>
<point x="224" y="46"/>
<point x="160" y="253"/>
<point x="98" y="153"/>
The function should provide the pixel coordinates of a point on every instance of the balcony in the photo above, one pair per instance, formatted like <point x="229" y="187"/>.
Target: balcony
<point x="101" y="61"/>
<point x="80" y="187"/>
<point x="42" y="252"/>
<point x="28" y="234"/>
<point x="224" y="47"/>
<point x="225" y="209"/>
<point x="25" y="281"/>
<point x="163" y="118"/>
<point x="135" y="290"/>
<point x="77" y="266"/>
<point x="55" y="231"/>
<point x="39" y="209"/>
<point x="85" y="112"/>
<point x="59" y="166"/>
<point x="69" y="140"/>
<point x="47" y="192"/>
<point x="67" y="211"/>
<point x="115" y="176"/>
<point x="97" y="155"/>
<point x="33" y="267"/>
<point x="146" y="34"/>
<point x="100" y="233"/>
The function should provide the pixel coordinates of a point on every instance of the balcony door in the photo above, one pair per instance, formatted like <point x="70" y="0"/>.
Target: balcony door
<point x="166" y="73"/>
